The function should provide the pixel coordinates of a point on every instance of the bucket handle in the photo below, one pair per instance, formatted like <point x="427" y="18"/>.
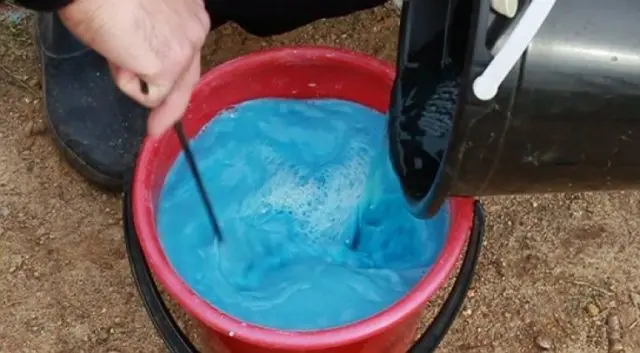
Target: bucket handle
<point x="177" y="342"/>
<point x="485" y="87"/>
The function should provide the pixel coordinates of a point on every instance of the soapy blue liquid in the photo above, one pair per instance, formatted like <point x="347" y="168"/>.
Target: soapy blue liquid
<point x="288" y="181"/>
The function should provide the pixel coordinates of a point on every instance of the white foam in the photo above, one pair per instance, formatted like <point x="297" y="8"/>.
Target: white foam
<point x="322" y="204"/>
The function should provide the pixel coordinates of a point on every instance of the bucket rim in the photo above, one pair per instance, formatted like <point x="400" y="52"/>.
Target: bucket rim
<point x="461" y="211"/>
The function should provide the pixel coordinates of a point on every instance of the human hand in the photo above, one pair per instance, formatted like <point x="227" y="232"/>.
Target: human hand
<point x="155" y="41"/>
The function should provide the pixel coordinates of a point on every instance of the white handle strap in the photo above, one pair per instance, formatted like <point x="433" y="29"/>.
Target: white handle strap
<point x="485" y="87"/>
<point x="507" y="8"/>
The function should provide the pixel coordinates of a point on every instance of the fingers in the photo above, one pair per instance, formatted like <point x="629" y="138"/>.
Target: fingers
<point x="171" y="110"/>
<point x="165" y="115"/>
<point x="172" y="104"/>
<point x="129" y="84"/>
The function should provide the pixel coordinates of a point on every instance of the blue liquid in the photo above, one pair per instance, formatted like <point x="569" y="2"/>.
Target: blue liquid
<point x="288" y="181"/>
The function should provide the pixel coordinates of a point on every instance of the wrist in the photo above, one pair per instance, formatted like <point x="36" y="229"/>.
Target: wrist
<point x="43" y="5"/>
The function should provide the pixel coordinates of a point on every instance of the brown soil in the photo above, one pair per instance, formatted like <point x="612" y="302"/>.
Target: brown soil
<point x="554" y="269"/>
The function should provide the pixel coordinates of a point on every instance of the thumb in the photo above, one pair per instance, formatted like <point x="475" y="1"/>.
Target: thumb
<point x="148" y="94"/>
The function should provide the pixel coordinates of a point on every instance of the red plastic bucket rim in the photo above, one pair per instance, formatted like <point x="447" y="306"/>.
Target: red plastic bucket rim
<point x="460" y="223"/>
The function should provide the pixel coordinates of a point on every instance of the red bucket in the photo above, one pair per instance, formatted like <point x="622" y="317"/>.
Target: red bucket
<point x="290" y="73"/>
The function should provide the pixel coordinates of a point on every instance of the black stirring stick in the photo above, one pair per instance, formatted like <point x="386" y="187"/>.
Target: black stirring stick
<point x="196" y="175"/>
<point x="355" y="240"/>
<point x="191" y="162"/>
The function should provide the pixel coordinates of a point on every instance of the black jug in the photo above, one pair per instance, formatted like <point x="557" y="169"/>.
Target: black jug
<point x="566" y="116"/>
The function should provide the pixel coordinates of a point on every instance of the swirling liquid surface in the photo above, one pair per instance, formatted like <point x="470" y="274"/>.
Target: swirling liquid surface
<point x="290" y="181"/>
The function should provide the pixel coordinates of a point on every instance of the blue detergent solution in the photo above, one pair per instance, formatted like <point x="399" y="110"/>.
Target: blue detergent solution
<point x="288" y="180"/>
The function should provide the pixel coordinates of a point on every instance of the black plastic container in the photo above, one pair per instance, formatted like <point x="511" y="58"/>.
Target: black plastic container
<point x="566" y="118"/>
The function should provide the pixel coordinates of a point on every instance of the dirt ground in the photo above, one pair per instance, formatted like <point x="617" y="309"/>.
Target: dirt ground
<point x="555" y="270"/>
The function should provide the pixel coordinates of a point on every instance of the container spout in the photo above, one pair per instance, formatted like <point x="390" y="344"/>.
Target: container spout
<point x="564" y="118"/>
<point x="425" y="95"/>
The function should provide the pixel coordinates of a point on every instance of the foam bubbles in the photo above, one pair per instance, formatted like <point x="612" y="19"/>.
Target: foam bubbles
<point x="319" y="203"/>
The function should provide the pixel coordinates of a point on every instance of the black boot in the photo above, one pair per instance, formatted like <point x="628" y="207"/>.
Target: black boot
<point x="96" y="126"/>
